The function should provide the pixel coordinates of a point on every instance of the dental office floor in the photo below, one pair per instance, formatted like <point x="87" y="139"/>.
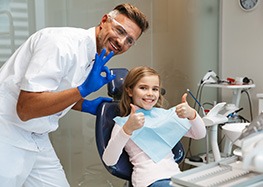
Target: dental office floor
<point x="75" y="145"/>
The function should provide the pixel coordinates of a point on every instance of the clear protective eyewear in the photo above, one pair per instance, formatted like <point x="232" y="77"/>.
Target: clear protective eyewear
<point x="120" y="31"/>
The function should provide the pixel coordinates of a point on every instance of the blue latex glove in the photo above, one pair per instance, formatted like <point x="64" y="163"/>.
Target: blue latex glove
<point x="91" y="106"/>
<point x="95" y="80"/>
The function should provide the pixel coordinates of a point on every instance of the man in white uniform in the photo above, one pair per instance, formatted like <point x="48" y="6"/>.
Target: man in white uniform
<point x="51" y="73"/>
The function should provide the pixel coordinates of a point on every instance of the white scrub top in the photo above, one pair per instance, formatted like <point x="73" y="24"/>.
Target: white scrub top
<point x="52" y="59"/>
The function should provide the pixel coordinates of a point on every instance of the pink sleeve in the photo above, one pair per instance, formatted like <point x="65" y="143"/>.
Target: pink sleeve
<point x="198" y="130"/>
<point x="115" y="146"/>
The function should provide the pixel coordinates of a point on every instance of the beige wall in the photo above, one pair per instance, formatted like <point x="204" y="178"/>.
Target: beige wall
<point x="241" y="49"/>
<point x="182" y="44"/>
<point x="179" y="44"/>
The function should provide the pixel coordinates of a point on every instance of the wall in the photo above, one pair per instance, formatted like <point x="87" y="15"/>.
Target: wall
<point x="241" y="49"/>
<point x="74" y="141"/>
<point x="185" y="46"/>
<point x="181" y="44"/>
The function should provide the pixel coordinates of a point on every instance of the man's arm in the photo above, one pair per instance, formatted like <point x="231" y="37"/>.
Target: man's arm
<point x="38" y="104"/>
<point x="78" y="105"/>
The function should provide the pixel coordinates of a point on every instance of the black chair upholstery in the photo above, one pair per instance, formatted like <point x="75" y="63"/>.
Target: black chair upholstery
<point x="104" y="124"/>
<point x="115" y="87"/>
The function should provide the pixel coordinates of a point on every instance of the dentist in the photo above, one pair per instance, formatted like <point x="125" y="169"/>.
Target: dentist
<point x="51" y="73"/>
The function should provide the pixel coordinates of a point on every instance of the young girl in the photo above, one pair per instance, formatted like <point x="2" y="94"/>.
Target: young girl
<point x="148" y="132"/>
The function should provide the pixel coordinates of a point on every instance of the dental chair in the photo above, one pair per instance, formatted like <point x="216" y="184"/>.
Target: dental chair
<point x="104" y="124"/>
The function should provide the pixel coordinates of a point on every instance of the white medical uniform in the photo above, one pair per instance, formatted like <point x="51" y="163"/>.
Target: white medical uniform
<point x="52" y="59"/>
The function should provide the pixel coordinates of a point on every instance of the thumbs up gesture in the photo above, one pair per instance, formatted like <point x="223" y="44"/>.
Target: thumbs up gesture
<point x="183" y="110"/>
<point x="135" y="121"/>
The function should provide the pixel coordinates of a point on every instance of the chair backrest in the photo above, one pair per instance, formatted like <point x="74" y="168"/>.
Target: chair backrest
<point x="115" y="86"/>
<point x="104" y="124"/>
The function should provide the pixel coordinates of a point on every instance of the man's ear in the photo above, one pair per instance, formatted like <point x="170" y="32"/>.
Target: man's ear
<point x="104" y="19"/>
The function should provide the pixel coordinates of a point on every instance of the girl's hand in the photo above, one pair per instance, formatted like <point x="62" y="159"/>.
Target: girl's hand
<point x="135" y="121"/>
<point x="183" y="110"/>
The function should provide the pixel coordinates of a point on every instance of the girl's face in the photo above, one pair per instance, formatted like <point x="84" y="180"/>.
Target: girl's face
<point x="146" y="92"/>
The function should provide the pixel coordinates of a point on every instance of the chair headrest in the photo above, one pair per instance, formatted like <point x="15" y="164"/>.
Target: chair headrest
<point x="115" y="86"/>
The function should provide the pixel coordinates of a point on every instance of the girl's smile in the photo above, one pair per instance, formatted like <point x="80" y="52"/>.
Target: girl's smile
<point x="146" y="92"/>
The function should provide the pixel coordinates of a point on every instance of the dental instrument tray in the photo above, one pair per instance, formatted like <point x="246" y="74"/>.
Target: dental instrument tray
<point x="226" y="173"/>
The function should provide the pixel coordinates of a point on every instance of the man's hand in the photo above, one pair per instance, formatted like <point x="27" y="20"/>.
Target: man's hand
<point x="91" y="106"/>
<point x="95" y="80"/>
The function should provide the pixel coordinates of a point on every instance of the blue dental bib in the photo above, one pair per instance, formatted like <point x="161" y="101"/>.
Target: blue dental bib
<point x="161" y="131"/>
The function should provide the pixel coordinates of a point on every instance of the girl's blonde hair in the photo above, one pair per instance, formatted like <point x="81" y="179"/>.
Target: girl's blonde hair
<point x="130" y="81"/>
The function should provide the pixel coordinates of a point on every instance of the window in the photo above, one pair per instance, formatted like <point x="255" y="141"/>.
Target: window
<point x="14" y="26"/>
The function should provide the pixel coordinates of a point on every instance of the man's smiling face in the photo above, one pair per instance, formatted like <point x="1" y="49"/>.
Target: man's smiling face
<point x="117" y="34"/>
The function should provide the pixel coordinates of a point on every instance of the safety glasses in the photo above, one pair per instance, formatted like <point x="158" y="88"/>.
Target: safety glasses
<point x="120" y="31"/>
